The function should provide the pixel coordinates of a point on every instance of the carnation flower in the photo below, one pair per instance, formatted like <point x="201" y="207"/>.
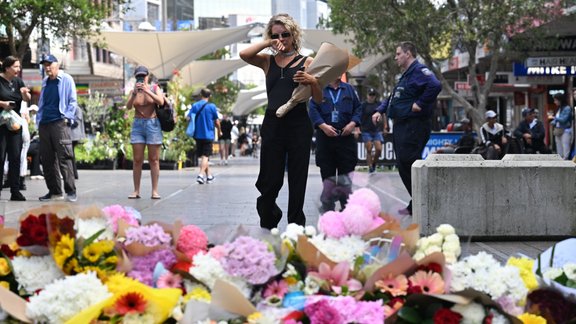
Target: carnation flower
<point x="366" y="198"/>
<point x="64" y="298"/>
<point x="357" y="219"/>
<point x="35" y="272"/>
<point x="447" y="316"/>
<point x="143" y="266"/>
<point x="344" y="309"/>
<point x="191" y="241"/>
<point x="322" y="313"/>
<point x="332" y="224"/>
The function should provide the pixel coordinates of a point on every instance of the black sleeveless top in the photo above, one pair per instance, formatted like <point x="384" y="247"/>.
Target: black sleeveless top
<point x="280" y="84"/>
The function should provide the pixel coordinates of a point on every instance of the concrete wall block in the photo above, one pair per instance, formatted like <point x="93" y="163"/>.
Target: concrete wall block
<point x="509" y="198"/>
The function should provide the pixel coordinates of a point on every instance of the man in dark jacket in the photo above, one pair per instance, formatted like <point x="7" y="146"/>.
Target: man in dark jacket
<point x="410" y="106"/>
<point x="532" y="133"/>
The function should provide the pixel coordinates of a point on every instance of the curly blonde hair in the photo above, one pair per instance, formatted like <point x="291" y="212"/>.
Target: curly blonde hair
<point x="290" y="24"/>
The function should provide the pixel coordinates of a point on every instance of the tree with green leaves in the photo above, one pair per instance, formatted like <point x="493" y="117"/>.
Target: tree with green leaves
<point x="62" y="19"/>
<point x="440" y="29"/>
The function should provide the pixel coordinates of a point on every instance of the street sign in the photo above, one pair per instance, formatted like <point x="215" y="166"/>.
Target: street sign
<point x="551" y="61"/>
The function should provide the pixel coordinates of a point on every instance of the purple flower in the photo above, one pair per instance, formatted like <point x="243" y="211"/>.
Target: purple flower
<point x="250" y="259"/>
<point x="143" y="266"/>
<point x="322" y="313"/>
<point x="149" y="235"/>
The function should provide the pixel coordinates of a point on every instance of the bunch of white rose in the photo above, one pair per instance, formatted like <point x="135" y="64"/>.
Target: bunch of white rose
<point x="444" y="240"/>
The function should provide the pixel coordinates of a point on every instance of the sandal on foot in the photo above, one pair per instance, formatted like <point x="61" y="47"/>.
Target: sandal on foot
<point x="134" y="197"/>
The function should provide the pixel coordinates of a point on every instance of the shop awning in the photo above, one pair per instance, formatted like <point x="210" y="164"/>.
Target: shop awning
<point x="163" y="52"/>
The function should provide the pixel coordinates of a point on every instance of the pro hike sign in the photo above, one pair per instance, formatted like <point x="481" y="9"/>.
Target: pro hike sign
<point x="522" y="70"/>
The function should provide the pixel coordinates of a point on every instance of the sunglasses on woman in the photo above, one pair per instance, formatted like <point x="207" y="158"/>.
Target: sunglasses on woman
<point x="284" y="35"/>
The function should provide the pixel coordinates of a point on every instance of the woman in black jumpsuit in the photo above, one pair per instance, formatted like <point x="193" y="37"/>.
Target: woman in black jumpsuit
<point x="285" y="140"/>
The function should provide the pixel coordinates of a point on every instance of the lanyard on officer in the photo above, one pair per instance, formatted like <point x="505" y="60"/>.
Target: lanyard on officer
<point x="334" y="101"/>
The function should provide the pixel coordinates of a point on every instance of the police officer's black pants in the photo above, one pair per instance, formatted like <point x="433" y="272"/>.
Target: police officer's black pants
<point x="410" y="137"/>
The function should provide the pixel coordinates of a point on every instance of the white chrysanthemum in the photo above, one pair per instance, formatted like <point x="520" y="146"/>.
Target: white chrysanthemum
<point x="436" y="239"/>
<point x="552" y="273"/>
<point x="310" y="231"/>
<point x="499" y="318"/>
<point x="419" y="255"/>
<point x="64" y="298"/>
<point x="346" y="248"/>
<point x="35" y="272"/>
<point x="452" y="238"/>
<point x="450" y="257"/>
<point x="452" y="247"/>
<point x="275" y="231"/>
<point x="422" y="243"/>
<point x="570" y="270"/>
<point x="445" y="230"/>
<point x="472" y="313"/>
<point x="292" y="232"/>
<point x="482" y="260"/>
<point x="207" y="270"/>
<point x="432" y="249"/>
<point x="138" y="319"/>
<point x="85" y="228"/>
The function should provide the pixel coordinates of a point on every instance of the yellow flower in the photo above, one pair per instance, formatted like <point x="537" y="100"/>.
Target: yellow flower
<point x="63" y="250"/>
<point x="105" y="246"/>
<point x="100" y="273"/>
<point x="5" y="284"/>
<point x="254" y="317"/>
<point x="528" y="318"/>
<point x="198" y="293"/>
<point x="23" y="253"/>
<point x="72" y="267"/>
<point x="4" y="267"/>
<point x="291" y="281"/>
<point x="92" y="252"/>
<point x="525" y="266"/>
<point x="111" y="260"/>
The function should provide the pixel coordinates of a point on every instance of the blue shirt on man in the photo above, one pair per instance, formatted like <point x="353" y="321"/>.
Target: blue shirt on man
<point x="51" y="102"/>
<point x="343" y="99"/>
<point x="67" y="100"/>
<point x="204" y="120"/>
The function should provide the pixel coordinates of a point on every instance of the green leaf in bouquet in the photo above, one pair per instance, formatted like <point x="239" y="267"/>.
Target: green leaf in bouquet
<point x="432" y="309"/>
<point x="410" y="315"/>
<point x="94" y="236"/>
<point x="571" y="283"/>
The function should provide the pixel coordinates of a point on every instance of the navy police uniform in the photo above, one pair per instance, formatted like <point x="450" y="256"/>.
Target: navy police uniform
<point x="336" y="155"/>
<point x="411" y="129"/>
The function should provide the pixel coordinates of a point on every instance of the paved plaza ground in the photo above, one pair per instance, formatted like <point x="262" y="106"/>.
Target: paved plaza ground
<point x="230" y="199"/>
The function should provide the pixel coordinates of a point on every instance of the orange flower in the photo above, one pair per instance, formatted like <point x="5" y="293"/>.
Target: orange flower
<point x="430" y="282"/>
<point x="131" y="302"/>
<point x="396" y="286"/>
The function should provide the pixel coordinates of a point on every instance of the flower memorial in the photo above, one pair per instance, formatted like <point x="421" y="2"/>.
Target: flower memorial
<point x="76" y="265"/>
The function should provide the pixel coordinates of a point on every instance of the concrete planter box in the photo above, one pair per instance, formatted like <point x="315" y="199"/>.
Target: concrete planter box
<point x="520" y="196"/>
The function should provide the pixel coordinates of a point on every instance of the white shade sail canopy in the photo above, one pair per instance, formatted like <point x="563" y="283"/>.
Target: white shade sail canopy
<point x="204" y="72"/>
<point x="248" y="100"/>
<point x="163" y="52"/>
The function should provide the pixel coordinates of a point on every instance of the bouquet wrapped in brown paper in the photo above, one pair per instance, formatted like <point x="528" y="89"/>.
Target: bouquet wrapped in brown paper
<point x="330" y="63"/>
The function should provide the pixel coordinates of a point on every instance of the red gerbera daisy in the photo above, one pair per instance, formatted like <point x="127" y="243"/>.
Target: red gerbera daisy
<point x="131" y="302"/>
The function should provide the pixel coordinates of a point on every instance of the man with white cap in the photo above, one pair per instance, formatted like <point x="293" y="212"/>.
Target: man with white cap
<point x="492" y="135"/>
<point x="57" y="106"/>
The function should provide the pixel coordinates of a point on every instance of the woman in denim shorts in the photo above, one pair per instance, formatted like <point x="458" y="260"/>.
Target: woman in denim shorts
<point x="146" y="131"/>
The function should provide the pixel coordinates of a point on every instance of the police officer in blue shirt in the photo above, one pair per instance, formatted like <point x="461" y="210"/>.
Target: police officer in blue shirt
<point x="335" y="120"/>
<point x="410" y="106"/>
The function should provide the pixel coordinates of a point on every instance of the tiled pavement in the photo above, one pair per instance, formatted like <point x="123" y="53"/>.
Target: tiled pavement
<point x="229" y="200"/>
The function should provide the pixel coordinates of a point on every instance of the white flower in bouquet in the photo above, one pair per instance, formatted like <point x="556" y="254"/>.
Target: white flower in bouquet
<point x="471" y="314"/>
<point x="64" y="298"/>
<point x="346" y="248"/>
<point x="432" y="249"/>
<point x="207" y="270"/>
<point x="449" y="257"/>
<point x="312" y="285"/>
<point x="552" y="273"/>
<point x="419" y="255"/>
<point x="436" y="239"/>
<point x="445" y="230"/>
<point x="35" y="272"/>
<point x="422" y="243"/>
<point x="452" y="238"/>
<point x="275" y="231"/>
<point x="138" y="319"/>
<point x="570" y="270"/>
<point x="310" y="231"/>
<point x="292" y="232"/>
<point x="451" y="247"/>
<point x="85" y="228"/>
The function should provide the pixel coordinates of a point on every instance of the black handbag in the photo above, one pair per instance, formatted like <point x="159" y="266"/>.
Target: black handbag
<point x="165" y="115"/>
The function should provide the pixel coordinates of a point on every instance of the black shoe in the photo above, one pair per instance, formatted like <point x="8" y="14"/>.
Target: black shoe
<point x="17" y="196"/>
<point x="49" y="196"/>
